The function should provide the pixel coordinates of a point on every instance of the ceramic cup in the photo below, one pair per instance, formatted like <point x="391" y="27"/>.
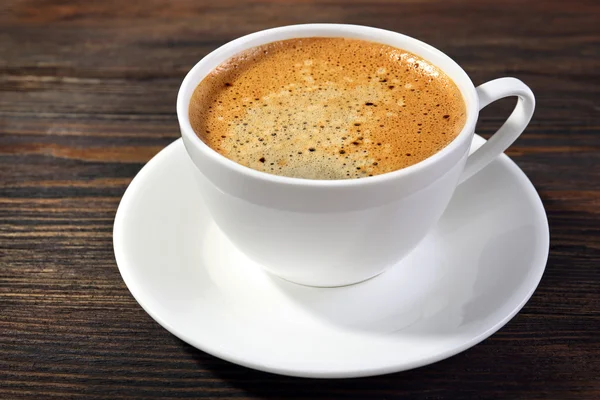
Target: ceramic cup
<point x="340" y="232"/>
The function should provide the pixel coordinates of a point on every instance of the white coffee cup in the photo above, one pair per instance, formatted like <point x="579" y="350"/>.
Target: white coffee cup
<point x="339" y="232"/>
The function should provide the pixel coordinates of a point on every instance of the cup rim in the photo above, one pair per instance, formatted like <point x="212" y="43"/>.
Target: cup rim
<point x="188" y="132"/>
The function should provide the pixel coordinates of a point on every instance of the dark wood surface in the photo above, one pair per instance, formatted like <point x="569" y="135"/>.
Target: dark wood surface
<point x="87" y="96"/>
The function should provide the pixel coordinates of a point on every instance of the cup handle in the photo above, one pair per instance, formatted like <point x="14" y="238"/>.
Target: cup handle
<point x="512" y="128"/>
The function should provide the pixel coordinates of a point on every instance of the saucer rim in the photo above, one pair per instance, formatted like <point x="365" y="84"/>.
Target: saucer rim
<point x="136" y="290"/>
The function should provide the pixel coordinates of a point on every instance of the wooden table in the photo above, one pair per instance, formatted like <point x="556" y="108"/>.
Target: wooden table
<point x="87" y="96"/>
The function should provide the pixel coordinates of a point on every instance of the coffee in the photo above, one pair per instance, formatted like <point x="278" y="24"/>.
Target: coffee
<point x="327" y="108"/>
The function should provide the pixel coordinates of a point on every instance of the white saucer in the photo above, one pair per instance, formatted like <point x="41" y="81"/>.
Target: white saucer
<point x="468" y="278"/>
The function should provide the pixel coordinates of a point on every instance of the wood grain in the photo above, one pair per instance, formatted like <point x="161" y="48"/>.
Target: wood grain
<point x="87" y="96"/>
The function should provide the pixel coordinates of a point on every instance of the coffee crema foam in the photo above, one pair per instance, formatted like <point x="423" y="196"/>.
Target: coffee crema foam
<point x="327" y="108"/>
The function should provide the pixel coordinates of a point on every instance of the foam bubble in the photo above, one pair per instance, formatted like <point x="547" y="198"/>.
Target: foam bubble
<point x="327" y="108"/>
